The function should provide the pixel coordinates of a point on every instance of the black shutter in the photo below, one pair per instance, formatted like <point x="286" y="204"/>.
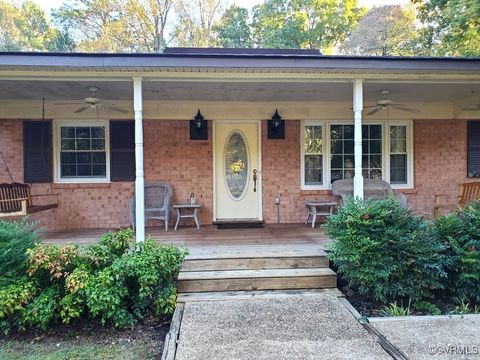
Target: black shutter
<point x="37" y="151"/>
<point x="473" y="145"/>
<point x="122" y="150"/>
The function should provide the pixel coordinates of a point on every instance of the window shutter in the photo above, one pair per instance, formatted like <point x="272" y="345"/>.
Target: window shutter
<point x="37" y="151"/>
<point x="473" y="152"/>
<point x="122" y="150"/>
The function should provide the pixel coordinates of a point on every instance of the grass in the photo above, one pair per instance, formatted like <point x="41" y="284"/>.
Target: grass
<point x="144" y="341"/>
<point x="13" y="350"/>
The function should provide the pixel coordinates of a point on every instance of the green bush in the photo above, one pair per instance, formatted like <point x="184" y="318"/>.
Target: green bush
<point x="460" y="234"/>
<point x="15" y="239"/>
<point x="111" y="281"/>
<point x="385" y="251"/>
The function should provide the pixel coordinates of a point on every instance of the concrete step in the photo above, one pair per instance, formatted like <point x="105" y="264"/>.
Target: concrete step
<point x="248" y="280"/>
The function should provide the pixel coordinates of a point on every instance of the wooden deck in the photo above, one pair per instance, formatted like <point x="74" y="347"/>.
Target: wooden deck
<point x="228" y="262"/>
<point x="208" y="240"/>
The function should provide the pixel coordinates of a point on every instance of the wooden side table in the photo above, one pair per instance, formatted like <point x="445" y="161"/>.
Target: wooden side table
<point x="318" y="207"/>
<point x="192" y="212"/>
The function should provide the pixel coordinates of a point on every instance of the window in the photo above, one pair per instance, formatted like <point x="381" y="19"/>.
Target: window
<point x="328" y="153"/>
<point x="82" y="152"/>
<point x="398" y="154"/>
<point x="312" y="159"/>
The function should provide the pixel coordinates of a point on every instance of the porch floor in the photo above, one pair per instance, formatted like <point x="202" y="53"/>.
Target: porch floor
<point x="279" y="239"/>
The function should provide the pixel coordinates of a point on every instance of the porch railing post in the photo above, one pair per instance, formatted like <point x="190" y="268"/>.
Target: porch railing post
<point x="357" y="110"/>
<point x="139" y="175"/>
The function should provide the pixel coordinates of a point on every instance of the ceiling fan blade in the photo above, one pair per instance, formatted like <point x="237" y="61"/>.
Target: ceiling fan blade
<point x="472" y="108"/>
<point x="374" y="111"/>
<point x="70" y="103"/>
<point x="365" y="107"/>
<point x="82" y="109"/>
<point x="123" y="111"/>
<point x="403" y="108"/>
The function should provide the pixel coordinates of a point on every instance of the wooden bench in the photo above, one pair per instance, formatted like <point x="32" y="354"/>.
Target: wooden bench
<point x="467" y="192"/>
<point x="16" y="200"/>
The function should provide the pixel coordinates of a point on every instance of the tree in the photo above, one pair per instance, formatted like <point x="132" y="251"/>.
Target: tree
<point x="450" y="27"/>
<point x="147" y="20"/>
<point x="315" y="24"/>
<point x="195" y="22"/>
<point x="386" y="30"/>
<point x="25" y="27"/>
<point x="233" y="30"/>
<point x="96" y="25"/>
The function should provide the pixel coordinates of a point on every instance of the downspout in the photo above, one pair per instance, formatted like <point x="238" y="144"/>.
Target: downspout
<point x="139" y="174"/>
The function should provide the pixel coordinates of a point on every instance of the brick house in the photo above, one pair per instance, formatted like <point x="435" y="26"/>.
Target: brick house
<point x="418" y="118"/>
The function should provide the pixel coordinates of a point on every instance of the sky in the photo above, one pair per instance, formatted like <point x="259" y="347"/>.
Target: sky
<point x="52" y="4"/>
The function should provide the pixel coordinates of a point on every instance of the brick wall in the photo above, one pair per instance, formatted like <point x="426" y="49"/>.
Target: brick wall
<point x="440" y="162"/>
<point x="440" y="165"/>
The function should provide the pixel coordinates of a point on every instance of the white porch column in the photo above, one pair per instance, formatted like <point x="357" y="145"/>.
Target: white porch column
<point x="139" y="177"/>
<point x="357" y="110"/>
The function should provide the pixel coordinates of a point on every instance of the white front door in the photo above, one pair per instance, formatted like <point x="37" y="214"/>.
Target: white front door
<point x="237" y="171"/>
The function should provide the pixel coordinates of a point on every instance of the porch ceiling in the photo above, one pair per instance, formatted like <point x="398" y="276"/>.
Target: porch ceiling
<point x="238" y="91"/>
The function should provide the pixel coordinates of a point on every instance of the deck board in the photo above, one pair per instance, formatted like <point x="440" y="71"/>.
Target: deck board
<point x="208" y="242"/>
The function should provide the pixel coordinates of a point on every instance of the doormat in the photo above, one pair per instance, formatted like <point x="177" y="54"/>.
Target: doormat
<point x="240" y="225"/>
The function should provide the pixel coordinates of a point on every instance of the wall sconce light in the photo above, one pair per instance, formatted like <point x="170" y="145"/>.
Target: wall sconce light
<point x="198" y="127"/>
<point x="276" y="127"/>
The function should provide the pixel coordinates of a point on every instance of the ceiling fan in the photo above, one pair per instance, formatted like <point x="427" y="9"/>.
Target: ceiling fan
<point x="385" y="103"/>
<point x="92" y="102"/>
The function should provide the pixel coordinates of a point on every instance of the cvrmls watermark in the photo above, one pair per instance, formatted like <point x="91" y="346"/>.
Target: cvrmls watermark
<point x="452" y="349"/>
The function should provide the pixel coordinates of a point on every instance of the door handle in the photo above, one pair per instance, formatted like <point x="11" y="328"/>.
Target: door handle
<point x="254" y="180"/>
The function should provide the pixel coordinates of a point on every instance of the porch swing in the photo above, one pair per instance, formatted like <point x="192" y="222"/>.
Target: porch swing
<point x="16" y="198"/>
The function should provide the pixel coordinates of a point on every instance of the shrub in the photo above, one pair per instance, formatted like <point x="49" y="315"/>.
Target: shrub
<point x="460" y="233"/>
<point x="109" y="280"/>
<point x="385" y="251"/>
<point x="15" y="239"/>
<point x="13" y="300"/>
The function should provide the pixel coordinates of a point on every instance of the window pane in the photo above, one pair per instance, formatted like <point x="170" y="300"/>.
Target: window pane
<point x="83" y="145"/>
<point x="313" y="169"/>
<point x="98" y="158"/>
<point x="375" y="132"/>
<point x="98" y="170"/>
<point x="348" y="146"/>
<point x="69" y="170"/>
<point x="82" y="133"/>
<point x="337" y="161"/>
<point x="313" y="139"/>
<point x="348" y="132"/>
<point x="337" y="147"/>
<point x="98" y="144"/>
<point x="98" y="133"/>
<point x="336" y="132"/>
<point x="398" y="132"/>
<point x="68" y="144"/>
<point x="68" y="132"/>
<point x="84" y="170"/>
<point x="398" y="169"/>
<point x="375" y="146"/>
<point x="68" y="158"/>
<point x="84" y="158"/>
<point x="336" y="175"/>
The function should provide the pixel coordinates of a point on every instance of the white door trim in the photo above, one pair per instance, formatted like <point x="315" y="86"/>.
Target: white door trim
<point x="259" y="170"/>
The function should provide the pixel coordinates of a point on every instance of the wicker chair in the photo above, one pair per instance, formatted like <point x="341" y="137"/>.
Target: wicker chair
<point x="372" y="188"/>
<point x="158" y="195"/>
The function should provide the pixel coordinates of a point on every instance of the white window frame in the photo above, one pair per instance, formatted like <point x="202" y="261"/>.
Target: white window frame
<point x="325" y="180"/>
<point x="326" y="129"/>
<point x="56" y="153"/>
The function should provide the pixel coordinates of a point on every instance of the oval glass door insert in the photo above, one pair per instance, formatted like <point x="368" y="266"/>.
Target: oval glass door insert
<point x="236" y="164"/>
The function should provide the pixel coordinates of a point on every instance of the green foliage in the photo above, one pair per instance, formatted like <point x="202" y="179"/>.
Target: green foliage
<point x="427" y="306"/>
<point x="13" y="301"/>
<point x="385" y="251"/>
<point x="42" y="310"/>
<point x="315" y="24"/>
<point x="460" y="234"/>
<point x="109" y="280"/>
<point x="463" y="307"/>
<point x="233" y="29"/>
<point x="15" y="239"/>
<point x="396" y="310"/>
<point x="450" y="28"/>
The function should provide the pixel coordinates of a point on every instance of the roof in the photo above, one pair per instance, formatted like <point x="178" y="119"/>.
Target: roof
<point x="214" y="58"/>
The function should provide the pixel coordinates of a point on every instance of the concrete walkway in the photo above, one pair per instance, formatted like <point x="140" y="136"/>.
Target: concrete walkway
<point x="433" y="337"/>
<point x="297" y="327"/>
